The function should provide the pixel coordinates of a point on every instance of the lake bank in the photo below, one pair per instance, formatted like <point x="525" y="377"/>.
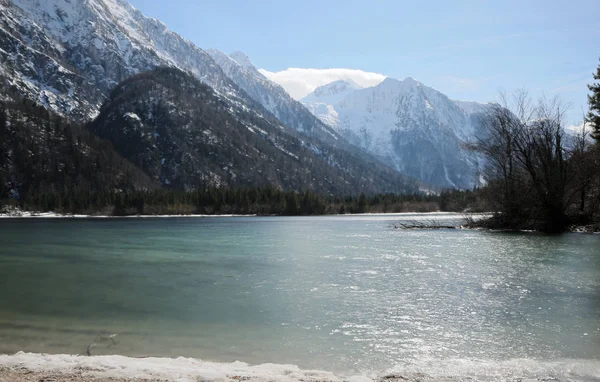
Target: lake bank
<point x="31" y="367"/>
<point x="467" y="219"/>
<point x="42" y="367"/>
<point x="20" y="214"/>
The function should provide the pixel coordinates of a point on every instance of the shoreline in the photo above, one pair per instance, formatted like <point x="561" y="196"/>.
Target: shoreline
<point x="18" y="214"/>
<point x="37" y="367"/>
<point x="25" y="367"/>
<point x="52" y="215"/>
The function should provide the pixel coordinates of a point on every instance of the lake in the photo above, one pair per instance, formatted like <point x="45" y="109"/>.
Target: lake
<point x="348" y="294"/>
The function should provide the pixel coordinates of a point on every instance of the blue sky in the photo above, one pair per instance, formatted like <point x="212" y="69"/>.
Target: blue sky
<point x="469" y="50"/>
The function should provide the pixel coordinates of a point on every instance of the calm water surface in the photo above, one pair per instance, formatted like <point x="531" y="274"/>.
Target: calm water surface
<point x="346" y="294"/>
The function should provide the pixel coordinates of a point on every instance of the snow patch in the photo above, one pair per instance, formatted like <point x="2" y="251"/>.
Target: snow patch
<point x="132" y="116"/>
<point x="167" y="369"/>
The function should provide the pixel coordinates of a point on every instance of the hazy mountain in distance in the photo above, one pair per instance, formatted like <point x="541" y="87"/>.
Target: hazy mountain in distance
<point x="412" y="127"/>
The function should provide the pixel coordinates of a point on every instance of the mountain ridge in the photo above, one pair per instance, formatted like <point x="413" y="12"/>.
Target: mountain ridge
<point x="98" y="42"/>
<point x="271" y="95"/>
<point x="182" y="134"/>
<point x="412" y="127"/>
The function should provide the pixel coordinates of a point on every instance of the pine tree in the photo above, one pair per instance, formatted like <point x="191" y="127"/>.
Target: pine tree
<point x="292" y="204"/>
<point x="362" y="203"/>
<point x="594" y="102"/>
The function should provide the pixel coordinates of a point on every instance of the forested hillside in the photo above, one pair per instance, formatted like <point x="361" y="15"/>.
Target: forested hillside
<point x="42" y="153"/>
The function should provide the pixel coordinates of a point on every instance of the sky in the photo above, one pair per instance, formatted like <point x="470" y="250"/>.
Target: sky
<point x="469" y="50"/>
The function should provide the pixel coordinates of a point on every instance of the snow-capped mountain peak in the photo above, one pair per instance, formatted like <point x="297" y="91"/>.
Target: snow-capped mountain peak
<point x="332" y="92"/>
<point x="75" y="56"/>
<point x="417" y="128"/>
<point x="336" y="87"/>
<point x="395" y="85"/>
<point x="242" y="59"/>
<point x="241" y="63"/>
<point x="68" y="55"/>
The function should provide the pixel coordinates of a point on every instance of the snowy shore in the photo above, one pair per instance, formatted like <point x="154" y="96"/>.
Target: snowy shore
<point x="20" y="214"/>
<point x="8" y="213"/>
<point x="26" y="367"/>
<point x="59" y="368"/>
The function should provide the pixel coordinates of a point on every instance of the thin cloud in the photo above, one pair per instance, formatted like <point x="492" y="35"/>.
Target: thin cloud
<point x="299" y="82"/>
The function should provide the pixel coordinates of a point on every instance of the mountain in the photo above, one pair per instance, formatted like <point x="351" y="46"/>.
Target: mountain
<point x="165" y="129"/>
<point x="412" y="127"/>
<point x="68" y="54"/>
<point x="273" y="97"/>
<point x="181" y="133"/>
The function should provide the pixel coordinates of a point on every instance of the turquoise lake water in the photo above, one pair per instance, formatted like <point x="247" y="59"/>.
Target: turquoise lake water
<point x="348" y="294"/>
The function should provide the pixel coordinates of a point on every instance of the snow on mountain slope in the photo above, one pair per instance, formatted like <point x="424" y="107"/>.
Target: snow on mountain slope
<point x="243" y="60"/>
<point x="103" y="42"/>
<point x="273" y="97"/>
<point x="411" y="126"/>
<point x="332" y="93"/>
<point x="68" y="54"/>
<point x="472" y="107"/>
<point x="322" y="100"/>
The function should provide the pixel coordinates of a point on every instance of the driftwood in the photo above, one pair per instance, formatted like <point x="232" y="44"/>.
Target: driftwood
<point x="102" y="338"/>
<point x="431" y="224"/>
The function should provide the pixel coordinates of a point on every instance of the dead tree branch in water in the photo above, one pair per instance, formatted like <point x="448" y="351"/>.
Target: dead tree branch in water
<point x="428" y="224"/>
<point x="111" y="339"/>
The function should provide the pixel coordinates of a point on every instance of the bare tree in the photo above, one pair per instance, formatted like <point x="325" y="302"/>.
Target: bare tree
<point x="497" y="144"/>
<point x="527" y="164"/>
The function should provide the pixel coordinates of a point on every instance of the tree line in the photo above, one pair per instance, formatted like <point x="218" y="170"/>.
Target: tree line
<point x="213" y="200"/>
